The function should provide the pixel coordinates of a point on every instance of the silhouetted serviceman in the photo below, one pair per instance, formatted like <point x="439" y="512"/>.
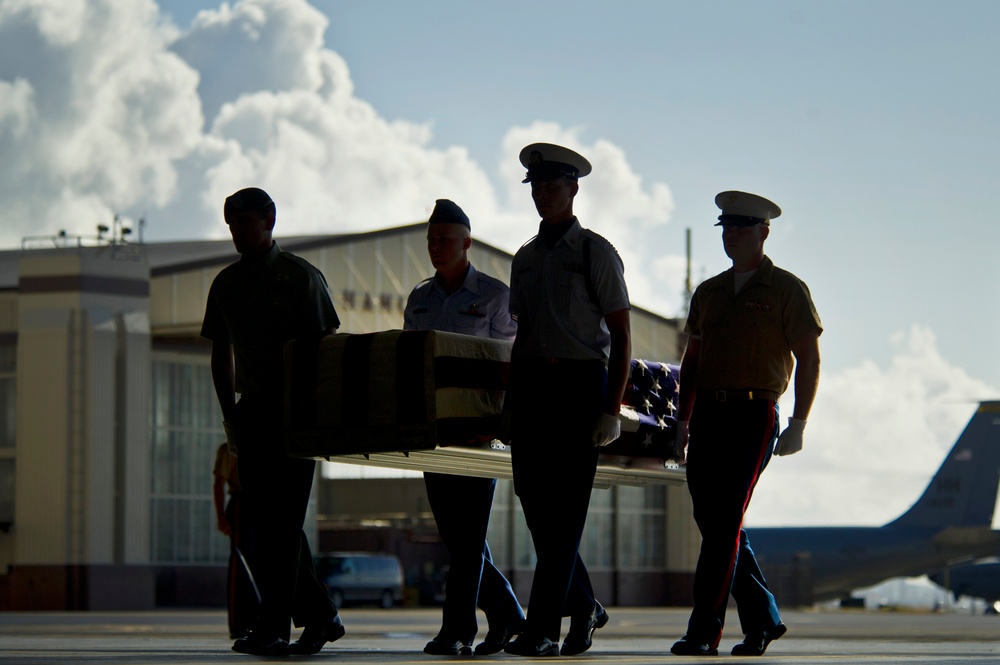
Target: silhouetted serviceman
<point x="748" y="328"/>
<point x="255" y="305"/>
<point x="569" y="366"/>
<point x="460" y="299"/>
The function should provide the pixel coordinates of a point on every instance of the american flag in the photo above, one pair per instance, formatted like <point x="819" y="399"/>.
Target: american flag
<point x="649" y="411"/>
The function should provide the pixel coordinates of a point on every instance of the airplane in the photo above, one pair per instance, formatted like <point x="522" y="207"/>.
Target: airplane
<point x="951" y="521"/>
<point x="977" y="579"/>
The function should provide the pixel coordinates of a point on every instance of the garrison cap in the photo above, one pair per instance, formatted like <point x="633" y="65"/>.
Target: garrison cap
<point x="546" y="161"/>
<point x="743" y="209"/>
<point x="448" y="212"/>
<point x="251" y="198"/>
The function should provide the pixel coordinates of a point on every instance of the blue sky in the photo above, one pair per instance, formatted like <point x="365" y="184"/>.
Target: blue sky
<point x="874" y="126"/>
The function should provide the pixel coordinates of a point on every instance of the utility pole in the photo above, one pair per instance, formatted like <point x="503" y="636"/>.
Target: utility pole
<point x="688" y="292"/>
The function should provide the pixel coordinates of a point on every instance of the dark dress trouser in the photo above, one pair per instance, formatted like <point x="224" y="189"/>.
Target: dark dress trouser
<point x="276" y="492"/>
<point x="461" y="506"/>
<point x="241" y="599"/>
<point x="730" y="444"/>
<point x="553" y="459"/>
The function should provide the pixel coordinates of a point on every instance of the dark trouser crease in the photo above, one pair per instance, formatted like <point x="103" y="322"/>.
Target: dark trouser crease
<point x="461" y="506"/>
<point x="276" y="492"/>
<point x="554" y="461"/>
<point x="730" y="445"/>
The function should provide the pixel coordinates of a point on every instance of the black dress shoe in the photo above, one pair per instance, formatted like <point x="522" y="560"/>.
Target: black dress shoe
<point x="581" y="631"/>
<point x="689" y="647"/>
<point x="313" y="638"/>
<point x="256" y="644"/>
<point x="532" y="647"/>
<point x="498" y="638"/>
<point x="755" y="644"/>
<point x="442" y="646"/>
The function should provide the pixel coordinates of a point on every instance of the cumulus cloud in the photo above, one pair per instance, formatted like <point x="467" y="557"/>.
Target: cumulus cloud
<point x="670" y="274"/>
<point x="274" y="46"/>
<point x="108" y="108"/>
<point x="94" y="113"/>
<point x="874" y="439"/>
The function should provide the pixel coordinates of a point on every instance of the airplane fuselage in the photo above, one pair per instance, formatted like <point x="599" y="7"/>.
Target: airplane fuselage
<point x="842" y="559"/>
<point x="979" y="580"/>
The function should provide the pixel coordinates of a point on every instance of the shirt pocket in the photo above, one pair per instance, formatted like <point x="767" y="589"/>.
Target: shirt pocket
<point x="571" y="298"/>
<point x="472" y="324"/>
<point x="760" y="316"/>
<point x="422" y="319"/>
<point x="713" y="319"/>
<point x="526" y="298"/>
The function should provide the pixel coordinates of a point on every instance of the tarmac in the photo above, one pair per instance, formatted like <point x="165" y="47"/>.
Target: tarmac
<point x="397" y="635"/>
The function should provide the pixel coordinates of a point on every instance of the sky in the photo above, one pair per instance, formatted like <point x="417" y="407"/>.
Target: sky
<point x="873" y="125"/>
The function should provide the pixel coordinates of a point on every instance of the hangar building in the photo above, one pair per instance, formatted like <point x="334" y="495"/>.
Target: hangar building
<point x="109" y="426"/>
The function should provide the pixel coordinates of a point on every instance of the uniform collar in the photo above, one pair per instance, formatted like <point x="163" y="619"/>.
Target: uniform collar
<point x="571" y="236"/>
<point x="762" y="275"/>
<point x="268" y="260"/>
<point x="764" y="271"/>
<point x="471" y="282"/>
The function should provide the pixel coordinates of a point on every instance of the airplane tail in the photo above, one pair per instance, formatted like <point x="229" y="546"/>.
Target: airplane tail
<point x="964" y="490"/>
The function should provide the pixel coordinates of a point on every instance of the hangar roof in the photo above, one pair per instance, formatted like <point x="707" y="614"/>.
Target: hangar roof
<point x="180" y="255"/>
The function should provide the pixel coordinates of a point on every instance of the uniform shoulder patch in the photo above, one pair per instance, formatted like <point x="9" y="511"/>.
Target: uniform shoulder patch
<point x="491" y="281"/>
<point x="297" y="260"/>
<point x="293" y="266"/>
<point x="423" y="283"/>
<point x="600" y="240"/>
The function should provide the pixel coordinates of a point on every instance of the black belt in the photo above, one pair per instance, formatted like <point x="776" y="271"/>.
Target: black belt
<point x="738" y="395"/>
<point x="546" y="360"/>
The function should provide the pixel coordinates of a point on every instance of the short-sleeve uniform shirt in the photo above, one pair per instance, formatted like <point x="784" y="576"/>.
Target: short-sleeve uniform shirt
<point x="258" y="306"/>
<point x="558" y="314"/>
<point x="479" y="307"/>
<point x="746" y="337"/>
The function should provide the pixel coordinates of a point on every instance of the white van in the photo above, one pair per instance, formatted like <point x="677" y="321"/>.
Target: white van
<point x="361" y="577"/>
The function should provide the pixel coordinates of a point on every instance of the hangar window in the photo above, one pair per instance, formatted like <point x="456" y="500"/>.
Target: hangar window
<point x="186" y="431"/>
<point x="642" y="527"/>
<point x="626" y="529"/>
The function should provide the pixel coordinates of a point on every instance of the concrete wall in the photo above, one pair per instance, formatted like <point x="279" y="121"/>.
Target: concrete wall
<point x="82" y="498"/>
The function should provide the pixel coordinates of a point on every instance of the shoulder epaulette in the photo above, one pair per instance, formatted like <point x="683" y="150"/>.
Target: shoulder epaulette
<point x="598" y="238"/>
<point x="423" y="282"/>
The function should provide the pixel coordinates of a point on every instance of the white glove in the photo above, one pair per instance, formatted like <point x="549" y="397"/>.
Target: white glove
<point x="679" y="451"/>
<point x="607" y="430"/>
<point x="790" y="441"/>
<point x="232" y="438"/>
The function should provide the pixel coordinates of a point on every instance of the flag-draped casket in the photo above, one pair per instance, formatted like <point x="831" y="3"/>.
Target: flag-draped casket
<point x="392" y="391"/>
<point x="419" y="390"/>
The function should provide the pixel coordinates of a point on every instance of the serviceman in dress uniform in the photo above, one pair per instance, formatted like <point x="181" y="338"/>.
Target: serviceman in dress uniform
<point x="241" y="599"/>
<point x="460" y="299"/>
<point x="748" y="329"/>
<point x="569" y="367"/>
<point x="254" y="306"/>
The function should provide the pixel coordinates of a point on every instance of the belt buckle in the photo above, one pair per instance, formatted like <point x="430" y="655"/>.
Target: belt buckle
<point x="720" y="395"/>
<point x="750" y="395"/>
